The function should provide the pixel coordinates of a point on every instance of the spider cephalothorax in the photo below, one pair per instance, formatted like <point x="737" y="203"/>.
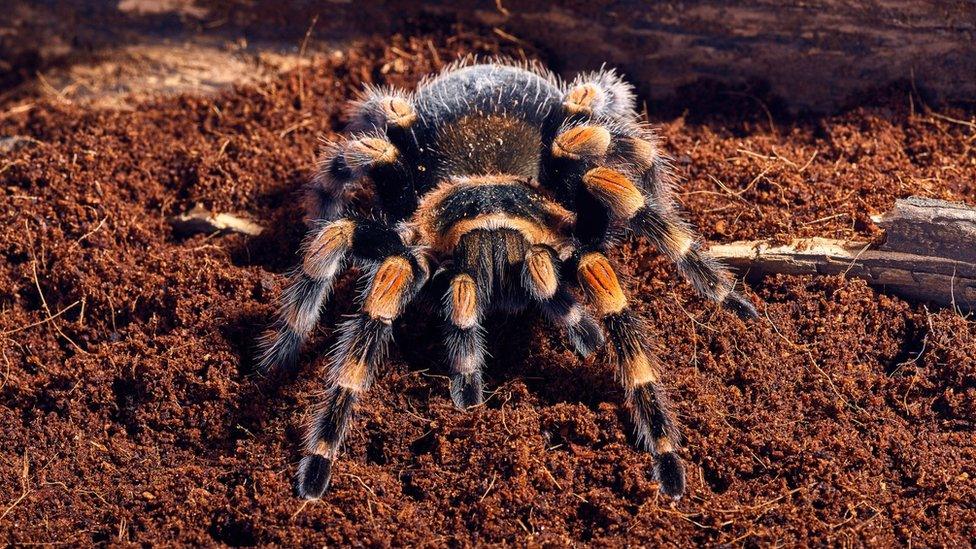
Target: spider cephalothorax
<point x="496" y="187"/>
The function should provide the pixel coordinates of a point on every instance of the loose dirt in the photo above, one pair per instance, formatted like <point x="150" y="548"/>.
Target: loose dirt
<point x="130" y="410"/>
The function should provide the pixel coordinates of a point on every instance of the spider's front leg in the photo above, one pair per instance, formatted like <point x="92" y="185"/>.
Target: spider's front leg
<point x="528" y="273"/>
<point x="542" y="279"/>
<point x="324" y="256"/>
<point x="330" y="242"/>
<point x="607" y="160"/>
<point x="464" y="336"/>
<point x="395" y="273"/>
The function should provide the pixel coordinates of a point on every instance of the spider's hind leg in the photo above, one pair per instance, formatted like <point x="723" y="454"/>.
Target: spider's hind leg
<point x="660" y="220"/>
<point x="672" y="236"/>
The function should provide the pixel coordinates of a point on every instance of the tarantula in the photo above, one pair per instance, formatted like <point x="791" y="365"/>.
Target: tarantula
<point x="495" y="186"/>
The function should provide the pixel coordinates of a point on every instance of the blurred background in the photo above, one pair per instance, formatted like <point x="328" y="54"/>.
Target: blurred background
<point x="816" y="55"/>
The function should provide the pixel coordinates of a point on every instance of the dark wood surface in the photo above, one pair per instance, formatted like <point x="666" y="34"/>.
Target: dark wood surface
<point x="817" y="54"/>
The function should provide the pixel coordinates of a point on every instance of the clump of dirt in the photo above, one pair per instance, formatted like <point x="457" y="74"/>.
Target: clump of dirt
<point x="131" y="412"/>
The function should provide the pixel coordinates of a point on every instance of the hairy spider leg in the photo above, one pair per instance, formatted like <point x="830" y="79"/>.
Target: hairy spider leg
<point x="603" y="196"/>
<point x="542" y="278"/>
<point x="394" y="273"/>
<point x="608" y="159"/>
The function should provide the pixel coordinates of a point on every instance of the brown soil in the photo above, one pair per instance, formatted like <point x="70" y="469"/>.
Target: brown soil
<point x="130" y="411"/>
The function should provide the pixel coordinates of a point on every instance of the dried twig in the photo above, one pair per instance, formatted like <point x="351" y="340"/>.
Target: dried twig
<point x="202" y="220"/>
<point x="25" y="487"/>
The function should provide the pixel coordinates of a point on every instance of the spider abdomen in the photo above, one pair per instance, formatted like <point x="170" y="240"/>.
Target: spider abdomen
<point x="489" y="144"/>
<point x="488" y="89"/>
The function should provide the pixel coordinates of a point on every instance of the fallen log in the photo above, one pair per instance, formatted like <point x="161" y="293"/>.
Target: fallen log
<point x="928" y="253"/>
<point x="812" y="55"/>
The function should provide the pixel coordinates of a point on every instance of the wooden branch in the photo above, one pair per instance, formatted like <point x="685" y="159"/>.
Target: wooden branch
<point x="928" y="254"/>
<point x="930" y="227"/>
<point x="202" y="220"/>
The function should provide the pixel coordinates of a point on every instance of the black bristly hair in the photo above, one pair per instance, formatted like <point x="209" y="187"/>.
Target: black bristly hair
<point x="504" y="187"/>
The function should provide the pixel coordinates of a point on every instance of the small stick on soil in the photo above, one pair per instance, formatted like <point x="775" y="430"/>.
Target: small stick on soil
<point x="363" y="483"/>
<point x="50" y="317"/>
<point x="433" y="52"/>
<point x="301" y="55"/>
<point x="508" y="36"/>
<point x="19" y="109"/>
<point x="300" y="509"/>
<point x="972" y="125"/>
<point x="6" y="374"/>
<point x="25" y="487"/>
<point x="491" y="485"/>
<point x="550" y="475"/>
<point x="91" y="232"/>
<point x="202" y="220"/>
<point x="807" y="165"/>
<point x="39" y="322"/>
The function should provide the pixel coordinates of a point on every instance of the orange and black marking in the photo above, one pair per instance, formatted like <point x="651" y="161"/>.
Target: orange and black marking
<point x="362" y="154"/>
<point x="330" y="422"/>
<point x="615" y="190"/>
<point x="326" y="250"/>
<point x="581" y="98"/>
<point x="641" y="377"/>
<point x="464" y="301"/>
<point x="389" y="287"/>
<point x="641" y="153"/>
<point x="353" y="370"/>
<point x="658" y="433"/>
<point x="638" y="368"/>
<point x="599" y="282"/>
<point x="398" y="112"/>
<point x="457" y="208"/>
<point x="663" y="445"/>
<point x="540" y="272"/>
<point x="582" y="142"/>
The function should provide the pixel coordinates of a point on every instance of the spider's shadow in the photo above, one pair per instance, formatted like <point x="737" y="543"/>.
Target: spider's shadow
<point x="276" y="248"/>
<point x="516" y="345"/>
<point x="517" y="351"/>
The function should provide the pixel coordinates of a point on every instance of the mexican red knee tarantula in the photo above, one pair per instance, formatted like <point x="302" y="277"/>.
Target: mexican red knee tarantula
<point x="496" y="187"/>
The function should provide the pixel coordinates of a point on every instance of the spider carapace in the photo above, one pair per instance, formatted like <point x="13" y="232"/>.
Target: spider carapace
<point x="496" y="187"/>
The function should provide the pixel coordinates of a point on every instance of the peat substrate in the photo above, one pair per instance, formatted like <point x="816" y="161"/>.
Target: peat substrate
<point x="130" y="410"/>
